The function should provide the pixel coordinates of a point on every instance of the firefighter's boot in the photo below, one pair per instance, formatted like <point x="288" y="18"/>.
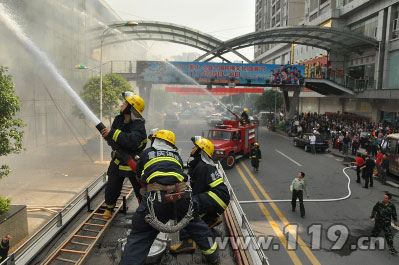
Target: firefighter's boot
<point x="184" y="246"/>
<point x="107" y="214"/>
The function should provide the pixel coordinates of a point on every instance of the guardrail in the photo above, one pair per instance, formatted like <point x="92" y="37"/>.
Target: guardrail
<point x="257" y="254"/>
<point x="30" y="248"/>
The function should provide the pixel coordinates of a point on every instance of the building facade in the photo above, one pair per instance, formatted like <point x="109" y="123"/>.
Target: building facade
<point x="374" y="70"/>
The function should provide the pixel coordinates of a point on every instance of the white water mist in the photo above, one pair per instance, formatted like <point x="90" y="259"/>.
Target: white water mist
<point x="42" y="58"/>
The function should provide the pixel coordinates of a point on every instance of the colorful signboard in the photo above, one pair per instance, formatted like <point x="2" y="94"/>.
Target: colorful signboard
<point x="218" y="91"/>
<point x="220" y="73"/>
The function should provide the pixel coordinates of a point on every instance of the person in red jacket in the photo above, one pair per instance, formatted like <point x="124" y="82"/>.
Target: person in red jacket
<point x="359" y="164"/>
<point x="378" y="161"/>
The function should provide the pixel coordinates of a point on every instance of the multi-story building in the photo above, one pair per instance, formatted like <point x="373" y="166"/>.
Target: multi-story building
<point x="373" y="73"/>
<point x="273" y="14"/>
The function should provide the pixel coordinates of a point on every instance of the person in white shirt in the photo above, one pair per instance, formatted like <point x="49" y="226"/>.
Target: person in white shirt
<point x="312" y="140"/>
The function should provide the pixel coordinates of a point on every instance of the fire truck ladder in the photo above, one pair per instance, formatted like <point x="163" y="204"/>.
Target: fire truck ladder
<point x="75" y="249"/>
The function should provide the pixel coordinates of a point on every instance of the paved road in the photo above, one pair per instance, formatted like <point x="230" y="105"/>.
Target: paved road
<point x="344" y="221"/>
<point x="326" y="180"/>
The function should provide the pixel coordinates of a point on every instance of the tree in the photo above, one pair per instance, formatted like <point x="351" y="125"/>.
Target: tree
<point x="113" y="86"/>
<point x="268" y="99"/>
<point x="10" y="127"/>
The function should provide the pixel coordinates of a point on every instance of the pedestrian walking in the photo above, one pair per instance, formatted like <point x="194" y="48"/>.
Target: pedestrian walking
<point x="368" y="167"/>
<point x="256" y="156"/>
<point x="384" y="169"/>
<point x="312" y="140"/>
<point x="383" y="212"/>
<point x="297" y="188"/>
<point x="359" y="164"/>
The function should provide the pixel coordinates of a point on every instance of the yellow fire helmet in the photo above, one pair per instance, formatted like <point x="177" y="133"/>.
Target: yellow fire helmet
<point x="256" y="144"/>
<point x="245" y="110"/>
<point x="204" y="144"/>
<point x="166" y="135"/>
<point x="136" y="101"/>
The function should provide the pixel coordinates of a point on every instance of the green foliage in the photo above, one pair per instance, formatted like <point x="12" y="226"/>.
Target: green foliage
<point x="10" y="134"/>
<point x="4" y="204"/>
<point x="268" y="99"/>
<point x="113" y="86"/>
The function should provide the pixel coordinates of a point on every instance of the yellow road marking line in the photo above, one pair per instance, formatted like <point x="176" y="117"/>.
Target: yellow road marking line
<point x="273" y="224"/>
<point x="301" y="243"/>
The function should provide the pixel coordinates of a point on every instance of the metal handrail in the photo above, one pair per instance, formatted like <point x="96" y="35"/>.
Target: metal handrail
<point x="31" y="247"/>
<point x="257" y="254"/>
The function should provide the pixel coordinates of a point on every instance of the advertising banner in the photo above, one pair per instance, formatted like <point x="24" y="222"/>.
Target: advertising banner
<point x="220" y="73"/>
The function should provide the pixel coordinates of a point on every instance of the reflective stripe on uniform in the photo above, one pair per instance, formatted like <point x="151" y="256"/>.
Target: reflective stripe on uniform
<point x="158" y="159"/>
<point x="216" y="182"/>
<point x="116" y="161"/>
<point x="159" y="173"/>
<point x="142" y="143"/>
<point x="217" y="199"/>
<point x="116" y="134"/>
<point x="125" y="168"/>
<point x="211" y="250"/>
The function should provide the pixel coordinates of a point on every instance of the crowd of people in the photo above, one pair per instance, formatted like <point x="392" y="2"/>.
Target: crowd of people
<point x="346" y="133"/>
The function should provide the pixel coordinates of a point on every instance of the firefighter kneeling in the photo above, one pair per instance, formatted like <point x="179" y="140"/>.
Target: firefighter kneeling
<point x="160" y="167"/>
<point x="210" y="193"/>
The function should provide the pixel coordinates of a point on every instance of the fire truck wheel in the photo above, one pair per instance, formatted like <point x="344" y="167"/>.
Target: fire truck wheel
<point x="230" y="160"/>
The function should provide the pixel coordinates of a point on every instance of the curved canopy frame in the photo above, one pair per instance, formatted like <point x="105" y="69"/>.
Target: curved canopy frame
<point x="160" y="31"/>
<point x="330" y="39"/>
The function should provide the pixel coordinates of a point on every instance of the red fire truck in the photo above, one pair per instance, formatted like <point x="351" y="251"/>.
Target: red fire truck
<point x="232" y="140"/>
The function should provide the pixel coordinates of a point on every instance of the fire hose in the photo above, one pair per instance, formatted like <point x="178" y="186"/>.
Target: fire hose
<point x="152" y="219"/>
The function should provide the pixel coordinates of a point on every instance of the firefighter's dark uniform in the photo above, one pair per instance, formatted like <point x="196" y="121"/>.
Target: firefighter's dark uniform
<point x="209" y="190"/>
<point x="4" y="247"/>
<point x="163" y="167"/>
<point x="131" y="138"/>
<point x="256" y="156"/>
<point x="245" y="117"/>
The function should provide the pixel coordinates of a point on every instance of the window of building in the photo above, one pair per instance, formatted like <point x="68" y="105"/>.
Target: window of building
<point x="393" y="77"/>
<point x="395" y="22"/>
<point x="366" y="27"/>
<point x="313" y="17"/>
<point x="314" y="4"/>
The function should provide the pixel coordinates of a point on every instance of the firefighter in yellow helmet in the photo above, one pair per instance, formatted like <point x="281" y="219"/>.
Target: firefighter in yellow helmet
<point x="128" y="131"/>
<point x="244" y="117"/>
<point x="256" y="156"/>
<point x="161" y="168"/>
<point x="210" y="194"/>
